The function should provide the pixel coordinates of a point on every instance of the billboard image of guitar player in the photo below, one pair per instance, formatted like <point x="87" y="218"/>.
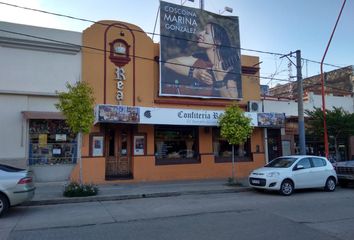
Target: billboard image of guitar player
<point x="199" y="53"/>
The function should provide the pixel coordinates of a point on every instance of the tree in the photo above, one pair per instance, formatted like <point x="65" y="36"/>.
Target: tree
<point x="235" y="127"/>
<point x="340" y="124"/>
<point x="77" y="105"/>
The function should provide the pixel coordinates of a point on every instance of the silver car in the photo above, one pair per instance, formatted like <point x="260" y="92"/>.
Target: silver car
<point x="16" y="187"/>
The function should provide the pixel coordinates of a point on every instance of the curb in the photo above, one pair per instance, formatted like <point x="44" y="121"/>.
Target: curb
<point x="127" y="197"/>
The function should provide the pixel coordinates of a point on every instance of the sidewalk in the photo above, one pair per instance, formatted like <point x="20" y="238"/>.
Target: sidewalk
<point x="51" y="193"/>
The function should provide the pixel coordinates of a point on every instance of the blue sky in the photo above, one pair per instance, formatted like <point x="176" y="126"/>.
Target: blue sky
<point x="279" y="26"/>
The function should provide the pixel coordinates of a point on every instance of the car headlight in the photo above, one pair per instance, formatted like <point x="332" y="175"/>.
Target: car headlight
<point x="273" y="174"/>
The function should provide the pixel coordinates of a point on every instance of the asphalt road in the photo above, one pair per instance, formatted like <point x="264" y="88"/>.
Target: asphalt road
<point x="249" y="215"/>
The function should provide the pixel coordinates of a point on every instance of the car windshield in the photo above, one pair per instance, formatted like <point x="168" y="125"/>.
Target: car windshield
<point x="283" y="162"/>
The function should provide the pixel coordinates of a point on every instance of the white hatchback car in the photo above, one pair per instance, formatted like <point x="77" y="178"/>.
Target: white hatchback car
<point x="16" y="187"/>
<point x="287" y="173"/>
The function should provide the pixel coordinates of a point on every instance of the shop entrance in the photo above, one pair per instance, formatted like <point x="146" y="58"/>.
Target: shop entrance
<point x="274" y="144"/>
<point x="118" y="153"/>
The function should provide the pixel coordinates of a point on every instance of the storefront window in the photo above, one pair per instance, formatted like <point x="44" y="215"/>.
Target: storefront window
<point x="223" y="150"/>
<point x="176" y="144"/>
<point x="51" y="142"/>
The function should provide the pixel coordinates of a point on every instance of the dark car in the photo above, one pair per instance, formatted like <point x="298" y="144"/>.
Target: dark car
<point x="345" y="172"/>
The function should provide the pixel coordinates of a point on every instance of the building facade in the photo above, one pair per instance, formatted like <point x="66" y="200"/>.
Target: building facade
<point x="140" y="135"/>
<point x="339" y="93"/>
<point x="150" y="124"/>
<point x="35" y="63"/>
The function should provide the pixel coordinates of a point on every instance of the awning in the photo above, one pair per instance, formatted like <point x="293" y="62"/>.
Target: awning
<point x="42" y="115"/>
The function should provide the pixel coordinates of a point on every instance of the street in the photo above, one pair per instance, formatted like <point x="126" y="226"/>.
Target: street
<point x="251" y="215"/>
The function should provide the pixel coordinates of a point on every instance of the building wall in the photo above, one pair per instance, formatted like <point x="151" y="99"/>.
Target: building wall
<point x="32" y="65"/>
<point x="145" y="169"/>
<point x="145" y="78"/>
<point x="31" y="71"/>
<point x="311" y="100"/>
<point x="338" y="82"/>
<point x="290" y="107"/>
<point x="346" y="102"/>
<point x="13" y="127"/>
<point x="146" y="70"/>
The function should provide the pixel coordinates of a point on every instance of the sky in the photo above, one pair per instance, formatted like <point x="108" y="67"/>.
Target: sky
<point x="275" y="26"/>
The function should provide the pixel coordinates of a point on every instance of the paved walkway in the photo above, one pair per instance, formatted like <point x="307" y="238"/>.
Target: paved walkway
<point x="52" y="193"/>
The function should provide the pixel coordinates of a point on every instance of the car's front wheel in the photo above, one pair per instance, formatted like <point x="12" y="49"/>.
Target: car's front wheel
<point x="330" y="184"/>
<point x="286" y="188"/>
<point x="4" y="204"/>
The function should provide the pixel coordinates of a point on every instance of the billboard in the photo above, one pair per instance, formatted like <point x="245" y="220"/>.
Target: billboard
<point x="200" y="53"/>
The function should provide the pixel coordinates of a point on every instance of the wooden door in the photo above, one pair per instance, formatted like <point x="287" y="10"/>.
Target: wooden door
<point x="118" y="153"/>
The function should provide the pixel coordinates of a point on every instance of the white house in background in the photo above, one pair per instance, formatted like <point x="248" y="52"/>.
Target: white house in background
<point x="290" y="107"/>
<point x="32" y="69"/>
<point x="288" y="142"/>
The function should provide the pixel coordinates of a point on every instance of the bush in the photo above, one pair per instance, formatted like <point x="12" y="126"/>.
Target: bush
<point x="75" y="189"/>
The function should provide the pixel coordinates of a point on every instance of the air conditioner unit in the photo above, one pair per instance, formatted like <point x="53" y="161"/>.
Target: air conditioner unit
<point x="254" y="106"/>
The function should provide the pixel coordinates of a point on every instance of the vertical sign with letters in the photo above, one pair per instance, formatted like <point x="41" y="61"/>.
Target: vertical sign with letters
<point x="120" y="77"/>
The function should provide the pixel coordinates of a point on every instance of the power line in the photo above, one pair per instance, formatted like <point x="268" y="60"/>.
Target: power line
<point x="154" y="60"/>
<point x="134" y="30"/>
<point x="95" y="22"/>
<point x="327" y="64"/>
<point x="159" y="61"/>
<point x="131" y="55"/>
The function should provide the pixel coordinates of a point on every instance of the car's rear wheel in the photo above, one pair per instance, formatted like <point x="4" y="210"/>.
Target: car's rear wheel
<point x="4" y="204"/>
<point x="286" y="188"/>
<point x="330" y="184"/>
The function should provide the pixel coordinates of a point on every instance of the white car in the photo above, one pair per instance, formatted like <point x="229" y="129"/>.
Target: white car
<point x="16" y="187"/>
<point x="284" y="174"/>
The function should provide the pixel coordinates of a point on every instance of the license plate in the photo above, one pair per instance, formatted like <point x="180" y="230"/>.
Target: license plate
<point x="256" y="181"/>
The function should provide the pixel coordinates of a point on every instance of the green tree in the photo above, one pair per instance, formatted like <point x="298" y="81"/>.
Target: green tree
<point x="77" y="105"/>
<point x="235" y="127"/>
<point x="340" y="124"/>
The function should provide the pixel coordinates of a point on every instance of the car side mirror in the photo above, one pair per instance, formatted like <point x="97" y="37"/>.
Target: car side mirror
<point x="299" y="167"/>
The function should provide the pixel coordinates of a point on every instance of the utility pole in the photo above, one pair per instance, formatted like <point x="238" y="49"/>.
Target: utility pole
<point x="201" y="3"/>
<point x="300" y="104"/>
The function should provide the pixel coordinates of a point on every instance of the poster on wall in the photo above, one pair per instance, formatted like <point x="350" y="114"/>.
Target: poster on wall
<point x="271" y="120"/>
<point x="200" y="53"/>
<point x="97" y="148"/>
<point x="117" y="113"/>
<point x="42" y="140"/>
<point x="139" y="145"/>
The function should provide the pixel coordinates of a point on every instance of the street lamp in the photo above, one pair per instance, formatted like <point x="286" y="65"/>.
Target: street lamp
<point x="183" y="2"/>
<point x="226" y="9"/>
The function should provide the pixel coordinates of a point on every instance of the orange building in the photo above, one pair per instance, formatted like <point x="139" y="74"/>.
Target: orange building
<point x="141" y="135"/>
